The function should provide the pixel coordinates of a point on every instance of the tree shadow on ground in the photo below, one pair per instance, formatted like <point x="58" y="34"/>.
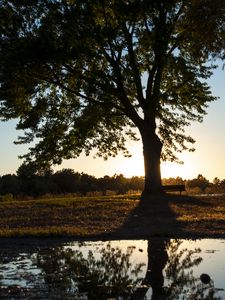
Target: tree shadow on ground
<point x="155" y="216"/>
<point x="152" y="217"/>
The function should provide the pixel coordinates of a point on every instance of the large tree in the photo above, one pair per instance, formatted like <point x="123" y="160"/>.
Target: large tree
<point x="88" y="74"/>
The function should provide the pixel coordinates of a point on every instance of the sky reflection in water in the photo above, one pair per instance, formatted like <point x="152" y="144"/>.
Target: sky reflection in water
<point x="154" y="269"/>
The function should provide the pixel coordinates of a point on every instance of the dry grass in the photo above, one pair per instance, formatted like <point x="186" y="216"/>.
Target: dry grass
<point x="59" y="217"/>
<point x="115" y="216"/>
<point x="202" y="216"/>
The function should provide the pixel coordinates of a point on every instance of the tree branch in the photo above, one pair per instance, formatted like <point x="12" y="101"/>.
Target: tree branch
<point x="133" y="62"/>
<point x="58" y="82"/>
<point x="129" y="108"/>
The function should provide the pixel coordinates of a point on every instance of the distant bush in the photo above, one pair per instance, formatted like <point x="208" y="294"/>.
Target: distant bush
<point x="194" y="190"/>
<point x="6" y="197"/>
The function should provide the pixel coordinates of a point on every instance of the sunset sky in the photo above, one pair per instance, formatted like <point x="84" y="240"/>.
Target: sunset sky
<point x="208" y="159"/>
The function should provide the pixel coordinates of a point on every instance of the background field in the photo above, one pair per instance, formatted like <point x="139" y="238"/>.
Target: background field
<point x="115" y="217"/>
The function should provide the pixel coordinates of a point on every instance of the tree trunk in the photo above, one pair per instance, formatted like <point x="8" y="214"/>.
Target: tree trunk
<point x="152" y="148"/>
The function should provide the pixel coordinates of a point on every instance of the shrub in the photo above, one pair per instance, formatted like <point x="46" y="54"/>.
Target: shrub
<point x="6" y="197"/>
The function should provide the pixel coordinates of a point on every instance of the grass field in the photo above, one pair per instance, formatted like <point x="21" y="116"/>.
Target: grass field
<point x="115" y="217"/>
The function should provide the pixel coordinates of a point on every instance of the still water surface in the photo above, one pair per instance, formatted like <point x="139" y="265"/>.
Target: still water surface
<point x="128" y="269"/>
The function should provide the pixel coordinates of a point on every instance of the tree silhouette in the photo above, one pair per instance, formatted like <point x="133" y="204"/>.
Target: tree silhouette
<point x="81" y="75"/>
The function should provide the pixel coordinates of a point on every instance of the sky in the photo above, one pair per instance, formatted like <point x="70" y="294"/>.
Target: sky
<point x="208" y="158"/>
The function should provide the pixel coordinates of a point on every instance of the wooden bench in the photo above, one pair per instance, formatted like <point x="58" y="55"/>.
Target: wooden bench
<point x="174" y="188"/>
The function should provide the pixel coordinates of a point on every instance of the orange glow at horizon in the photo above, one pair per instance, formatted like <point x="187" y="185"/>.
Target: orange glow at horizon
<point x="134" y="166"/>
<point x="170" y="169"/>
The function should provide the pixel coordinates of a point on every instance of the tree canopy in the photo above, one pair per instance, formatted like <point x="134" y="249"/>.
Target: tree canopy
<point x="82" y="75"/>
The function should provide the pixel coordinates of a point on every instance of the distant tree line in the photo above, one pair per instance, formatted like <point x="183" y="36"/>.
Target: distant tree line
<point x="199" y="185"/>
<point x="31" y="182"/>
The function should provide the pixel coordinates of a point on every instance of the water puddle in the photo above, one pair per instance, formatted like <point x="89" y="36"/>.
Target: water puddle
<point x="128" y="269"/>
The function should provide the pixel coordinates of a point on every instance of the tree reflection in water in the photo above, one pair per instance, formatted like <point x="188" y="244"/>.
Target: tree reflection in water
<point x="179" y="272"/>
<point x="167" y="259"/>
<point x="67" y="272"/>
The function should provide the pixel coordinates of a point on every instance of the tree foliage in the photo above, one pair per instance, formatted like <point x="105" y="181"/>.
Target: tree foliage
<point x="81" y="75"/>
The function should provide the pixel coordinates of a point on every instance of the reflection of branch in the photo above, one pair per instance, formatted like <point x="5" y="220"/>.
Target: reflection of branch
<point x="67" y="272"/>
<point x="179" y="272"/>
